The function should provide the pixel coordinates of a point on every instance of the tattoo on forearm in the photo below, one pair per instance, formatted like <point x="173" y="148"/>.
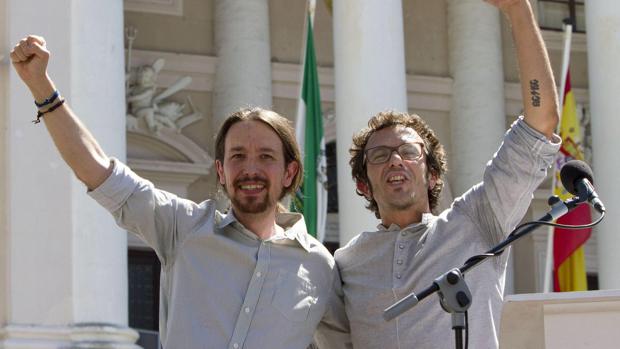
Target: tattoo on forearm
<point x="534" y="92"/>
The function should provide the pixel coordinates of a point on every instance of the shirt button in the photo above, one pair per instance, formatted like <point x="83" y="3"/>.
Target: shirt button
<point x="403" y="233"/>
<point x="259" y="274"/>
<point x="247" y="310"/>
<point x="398" y="276"/>
<point x="400" y="261"/>
<point x="401" y="246"/>
<point x="236" y="345"/>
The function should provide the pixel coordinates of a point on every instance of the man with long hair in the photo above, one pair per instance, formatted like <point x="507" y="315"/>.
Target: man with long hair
<point x="248" y="278"/>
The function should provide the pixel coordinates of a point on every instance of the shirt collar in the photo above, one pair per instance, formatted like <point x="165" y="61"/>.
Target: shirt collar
<point x="426" y="219"/>
<point x="294" y="227"/>
<point x="226" y="219"/>
<point x="293" y="224"/>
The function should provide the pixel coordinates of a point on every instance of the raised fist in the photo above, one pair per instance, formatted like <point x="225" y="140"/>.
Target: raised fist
<point x="30" y="57"/>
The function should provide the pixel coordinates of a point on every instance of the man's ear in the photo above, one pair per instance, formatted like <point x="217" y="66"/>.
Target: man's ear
<point x="432" y="181"/>
<point x="362" y="188"/>
<point x="220" y="172"/>
<point x="289" y="173"/>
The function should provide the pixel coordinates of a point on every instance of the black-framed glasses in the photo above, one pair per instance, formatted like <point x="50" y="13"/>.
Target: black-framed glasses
<point x="381" y="154"/>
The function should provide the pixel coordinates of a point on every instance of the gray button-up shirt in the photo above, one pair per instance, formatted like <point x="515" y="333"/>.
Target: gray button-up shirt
<point x="379" y="268"/>
<point x="222" y="286"/>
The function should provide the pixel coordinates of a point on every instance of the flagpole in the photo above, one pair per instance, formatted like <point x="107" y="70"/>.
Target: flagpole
<point x="568" y="32"/>
<point x="300" y="120"/>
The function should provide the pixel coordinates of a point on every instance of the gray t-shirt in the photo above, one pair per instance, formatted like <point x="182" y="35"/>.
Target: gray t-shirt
<point x="221" y="286"/>
<point x="379" y="268"/>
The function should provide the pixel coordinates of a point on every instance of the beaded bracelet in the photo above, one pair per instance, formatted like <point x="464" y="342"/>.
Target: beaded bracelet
<point x="48" y="100"/>
<point x="51" y="109"/>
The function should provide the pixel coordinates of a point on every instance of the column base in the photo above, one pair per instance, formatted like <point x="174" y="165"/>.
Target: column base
<point x="87" y="335"/>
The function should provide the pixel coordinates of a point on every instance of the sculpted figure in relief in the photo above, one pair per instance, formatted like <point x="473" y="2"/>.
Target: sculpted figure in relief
<point x="144" y="103"/>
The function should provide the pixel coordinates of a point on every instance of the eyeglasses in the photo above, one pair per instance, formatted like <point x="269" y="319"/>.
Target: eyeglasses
<point x="383" y="153"/>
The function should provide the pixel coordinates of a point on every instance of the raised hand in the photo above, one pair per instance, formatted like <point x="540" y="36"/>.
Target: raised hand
<point x="30" y="58"/>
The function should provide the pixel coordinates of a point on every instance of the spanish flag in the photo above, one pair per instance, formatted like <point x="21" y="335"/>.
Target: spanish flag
<point x="569" y="267"/>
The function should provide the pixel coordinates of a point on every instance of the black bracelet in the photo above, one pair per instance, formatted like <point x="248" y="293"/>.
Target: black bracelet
<point x="47" y="101"/>
<point x="51" y="109"/>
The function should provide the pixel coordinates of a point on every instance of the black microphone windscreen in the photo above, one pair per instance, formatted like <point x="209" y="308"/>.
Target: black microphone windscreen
<point x="572" y="171"/>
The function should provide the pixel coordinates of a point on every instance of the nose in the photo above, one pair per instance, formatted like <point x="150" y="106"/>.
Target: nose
<point x="395" y="158"/>
<point x="251" y="167"/>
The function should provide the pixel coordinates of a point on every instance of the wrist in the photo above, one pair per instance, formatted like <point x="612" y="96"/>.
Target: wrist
<point x="518" y="10"/>
<point x="42" y="89"/>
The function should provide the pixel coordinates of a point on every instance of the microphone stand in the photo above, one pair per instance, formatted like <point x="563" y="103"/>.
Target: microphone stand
<point x="454" y="294"/>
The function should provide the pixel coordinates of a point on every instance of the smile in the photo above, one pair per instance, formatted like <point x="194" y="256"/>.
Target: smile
<point x="251" y="186"/>
<point x="396" y="178"/>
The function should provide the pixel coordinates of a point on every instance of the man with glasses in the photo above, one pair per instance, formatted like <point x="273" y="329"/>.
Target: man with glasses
<point x="398" y="165"/>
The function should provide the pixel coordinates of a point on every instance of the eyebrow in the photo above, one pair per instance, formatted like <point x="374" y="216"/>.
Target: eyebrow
<point x="262" y="149"/>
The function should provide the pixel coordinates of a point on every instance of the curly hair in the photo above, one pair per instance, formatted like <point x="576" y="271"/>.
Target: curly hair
<point x="280" y="125"/>
<point x="436" y="160"/>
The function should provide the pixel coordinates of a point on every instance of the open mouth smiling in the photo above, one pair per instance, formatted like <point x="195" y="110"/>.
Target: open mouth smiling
<point x="396" y="178"/>
<point x="251" y="187"/>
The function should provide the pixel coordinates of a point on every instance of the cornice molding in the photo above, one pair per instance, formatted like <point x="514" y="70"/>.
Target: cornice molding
<point x="424" y="92"/>
<point x="162" y="7"/>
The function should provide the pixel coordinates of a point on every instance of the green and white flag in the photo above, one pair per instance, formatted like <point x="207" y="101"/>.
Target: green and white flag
<point x="311" y="199"/>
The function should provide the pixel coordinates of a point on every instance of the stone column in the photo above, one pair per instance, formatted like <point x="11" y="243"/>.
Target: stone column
<point x="243" y="71"/>
<point x="4" y="86"/>
<point x="603" y="31"/>
<point x="370" y="76"/>
<point x="477" y="116"/>
<point x="65" y="261"/>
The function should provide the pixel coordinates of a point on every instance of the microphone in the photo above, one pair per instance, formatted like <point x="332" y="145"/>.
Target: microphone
<point x="576" y="177"/>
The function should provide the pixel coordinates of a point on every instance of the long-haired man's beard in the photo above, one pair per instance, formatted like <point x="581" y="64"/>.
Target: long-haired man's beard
<point x="251" y="204"/>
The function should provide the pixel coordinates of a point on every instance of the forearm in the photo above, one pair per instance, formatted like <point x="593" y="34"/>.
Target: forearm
<point x="75" y="143"/>
<point x="537" y="83"/>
